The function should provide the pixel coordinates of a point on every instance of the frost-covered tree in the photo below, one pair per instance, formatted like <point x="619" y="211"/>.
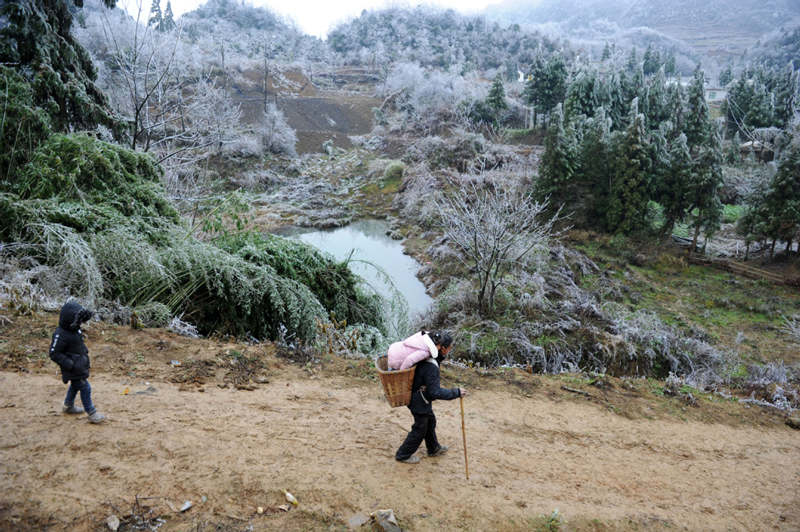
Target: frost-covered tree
<point x="558" y="161"/>
<point x="581" y="95"/>
<point x="277" y="136"/>
<point x="674" y="182"/>
<point x="494" y="229"/>
<point x="155" y="19"/>
<point x="168" y="22"/>
<point x="496" y="99"/>
<point x="630" y="185"/>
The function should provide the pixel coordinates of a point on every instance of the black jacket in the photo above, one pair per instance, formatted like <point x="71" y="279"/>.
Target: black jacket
<point x="426" y="389"/>
<point x="67" y="348"/>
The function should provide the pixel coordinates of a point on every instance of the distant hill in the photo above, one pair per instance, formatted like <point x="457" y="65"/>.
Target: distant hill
<point x="247" y="30"/>
<point x="716" y="27"/>
<point x="438" y="38"/>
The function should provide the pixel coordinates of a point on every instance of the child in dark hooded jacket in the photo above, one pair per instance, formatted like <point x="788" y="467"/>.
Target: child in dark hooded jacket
<point x="69" y="351"/>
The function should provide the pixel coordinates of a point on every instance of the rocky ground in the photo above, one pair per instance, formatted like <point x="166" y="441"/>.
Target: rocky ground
<point x="230" y="426"/>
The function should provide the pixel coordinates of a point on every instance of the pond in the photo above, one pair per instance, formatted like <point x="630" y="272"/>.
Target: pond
<point x="369" y="244"/>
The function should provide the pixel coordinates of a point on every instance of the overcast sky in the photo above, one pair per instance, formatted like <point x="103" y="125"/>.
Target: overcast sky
<point x="318" y="16"/>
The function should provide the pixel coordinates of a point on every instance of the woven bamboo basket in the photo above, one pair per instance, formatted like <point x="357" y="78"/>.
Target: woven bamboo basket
<point x="396" y="383"/>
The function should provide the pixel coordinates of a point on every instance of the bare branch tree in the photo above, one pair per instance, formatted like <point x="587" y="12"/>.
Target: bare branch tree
<point x="495" y="229"/>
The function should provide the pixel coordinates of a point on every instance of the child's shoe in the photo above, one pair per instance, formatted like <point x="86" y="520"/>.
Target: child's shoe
<point x="440" y="451"/>
<point x="71" y="409"/>
<point x="96" y="418"/>
<point x="413" y="459"/>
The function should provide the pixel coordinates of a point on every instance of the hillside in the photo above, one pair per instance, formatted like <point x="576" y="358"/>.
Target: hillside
<point x="716" y="27"/>
<point x="235" y="424"/>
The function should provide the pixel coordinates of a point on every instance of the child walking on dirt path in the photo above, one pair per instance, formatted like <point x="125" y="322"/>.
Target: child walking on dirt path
<point x="69" y="351"/>
<point x="424" y="390"/>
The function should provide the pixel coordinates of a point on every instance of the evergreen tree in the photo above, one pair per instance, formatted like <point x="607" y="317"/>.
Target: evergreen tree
<point x="782" y="200"/>
<point x="632" y="64"/>
<point x="657" y="110"/>
<point x="697" y="125"/>
<point x="652" y="61"/>
<point x="705" y="181"/>
<point x="168" y="24"/>
<point x="594" y="163"/>
<point x="732" y="155"/>
<point x="606" y="52"/>
<point x="725" y="76"/>
<point x="155" y="19"/>
<point x="581" y="97"/>
<point x="496" y="99"/>
<point x="558" y="161"/>
<point x="630" y="187"/>
<point x="675" y="107"/>
<point x="674" y="184"/>
<point x="787" y="94"/>
<point x="670" y="69"/>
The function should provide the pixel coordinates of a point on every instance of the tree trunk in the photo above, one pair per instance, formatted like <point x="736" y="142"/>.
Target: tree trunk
<point x="693" y="249"/>
<point x="747" y="251"/>
<point x="772" y="249"/>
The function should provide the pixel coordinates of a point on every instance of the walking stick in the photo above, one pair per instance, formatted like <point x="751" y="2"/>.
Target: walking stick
<point x="464" y="437"/>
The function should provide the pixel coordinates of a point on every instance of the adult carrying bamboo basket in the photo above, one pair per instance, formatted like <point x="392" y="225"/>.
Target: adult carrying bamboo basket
<point x="396" y="383"/>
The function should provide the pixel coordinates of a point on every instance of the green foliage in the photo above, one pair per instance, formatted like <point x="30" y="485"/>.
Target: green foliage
<point x="78" y="169"/>
<point x="630" y="186"/>
<point x="333" y="284"/>
<point x="153" y="314"/>
<point x="558" y="162"/>
<point x="23" y="125"/>
<point x="496" y="99"/>
<point x="36" y="39"/>
<point x="394" y="170"/>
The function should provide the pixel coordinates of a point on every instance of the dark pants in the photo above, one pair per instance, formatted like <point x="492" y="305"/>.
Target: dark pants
<point x="82" y="386"/>
<point x="424" y="428"/>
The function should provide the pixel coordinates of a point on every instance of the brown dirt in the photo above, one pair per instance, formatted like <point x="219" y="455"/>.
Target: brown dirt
<point x="612" y="458"/>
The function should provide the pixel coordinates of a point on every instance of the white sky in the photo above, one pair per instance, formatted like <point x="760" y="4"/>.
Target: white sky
<point x="317" y="17"/>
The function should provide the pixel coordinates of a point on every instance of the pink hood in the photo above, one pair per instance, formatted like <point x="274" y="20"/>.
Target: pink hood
<point x="403" y="355"/>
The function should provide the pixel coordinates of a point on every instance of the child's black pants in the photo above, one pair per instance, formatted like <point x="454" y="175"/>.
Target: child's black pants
<point x="424" y="428"/>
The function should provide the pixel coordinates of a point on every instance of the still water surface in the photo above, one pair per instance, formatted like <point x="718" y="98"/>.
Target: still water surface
<point x="368" y="241"/>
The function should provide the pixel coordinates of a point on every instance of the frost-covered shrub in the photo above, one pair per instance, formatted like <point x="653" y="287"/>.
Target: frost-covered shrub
<point x="153" y="314"/>
<point x="457" y="151"/>
<point x="394" y="170"/>
<point x="276" y="134"/>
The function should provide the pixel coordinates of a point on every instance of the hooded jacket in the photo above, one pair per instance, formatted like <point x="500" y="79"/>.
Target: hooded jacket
<point x="67" y="348"/>
<point x="426" y="388"/>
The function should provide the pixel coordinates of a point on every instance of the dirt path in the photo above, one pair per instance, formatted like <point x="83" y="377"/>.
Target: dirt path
<point x="330" y="441"/>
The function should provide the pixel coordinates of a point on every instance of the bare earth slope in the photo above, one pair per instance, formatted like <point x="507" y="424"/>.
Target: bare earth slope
<point x="329" y="439"/>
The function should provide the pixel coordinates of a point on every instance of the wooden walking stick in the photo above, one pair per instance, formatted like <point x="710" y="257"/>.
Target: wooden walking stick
<point x="464" y="437"/>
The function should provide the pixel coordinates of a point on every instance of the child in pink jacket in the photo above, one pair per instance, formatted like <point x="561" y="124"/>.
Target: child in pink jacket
<point x="403" y="355"/>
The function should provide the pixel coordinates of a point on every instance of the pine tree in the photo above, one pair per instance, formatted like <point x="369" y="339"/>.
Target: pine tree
<point x="657" y="109"/>
<point x="703" y="190"/>
<point x="630" y="187"/>
<point x="558" y="161"/>
<point x="652" y="61"/>
<point x="168" y="24"/>
<point x="787" y="93"/>
<point x="673" y="187"/>
<point x="581" y="97"/>
<point x="594" y="164"/>
<point x="670" y="69"/>
<point x="697" y="125"/>
<point x="155" y="15"/>
<point x="782" y="200"/>
<point x="632" y="64"/>
<point x="496" y="99"/>
<point x="725" y="76"/>
<point x="606" y="52"/>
